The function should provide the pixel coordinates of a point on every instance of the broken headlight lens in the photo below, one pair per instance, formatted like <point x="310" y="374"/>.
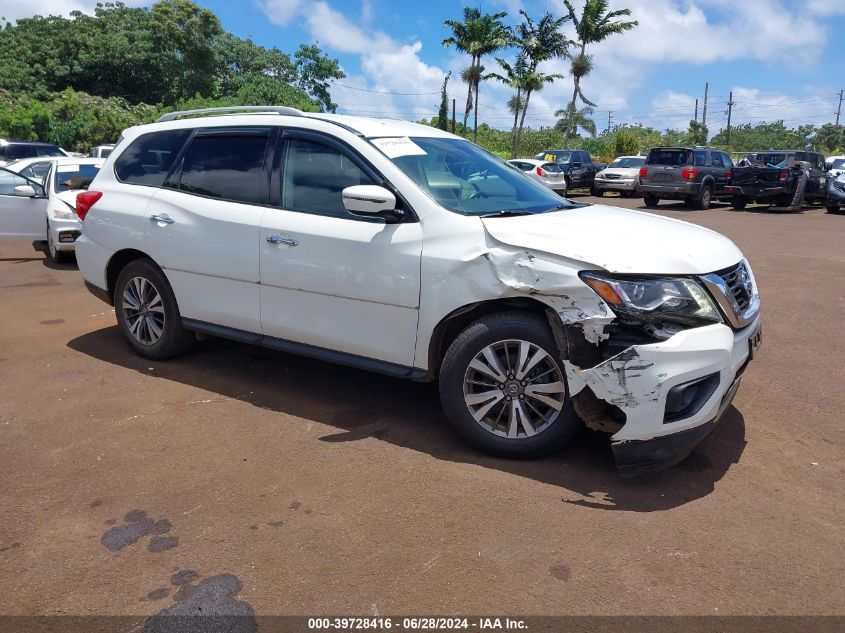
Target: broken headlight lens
<point x="677" y="299"/>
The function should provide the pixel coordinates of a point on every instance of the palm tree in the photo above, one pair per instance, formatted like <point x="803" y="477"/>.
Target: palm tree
<point x="595" y="25"/>
<point x="571" y="120"/>
<point x="478" y="35"/>
<point x="537" y="43"/>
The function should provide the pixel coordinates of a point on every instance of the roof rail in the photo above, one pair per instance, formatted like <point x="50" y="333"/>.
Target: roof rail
<point x="172" y="116"/>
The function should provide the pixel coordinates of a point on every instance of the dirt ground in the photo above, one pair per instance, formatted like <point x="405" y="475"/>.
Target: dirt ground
<point x="293" y="486"/>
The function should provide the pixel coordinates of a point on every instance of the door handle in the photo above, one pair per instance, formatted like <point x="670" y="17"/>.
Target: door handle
<point x="278" y="239"/>
<point x="164" y="218"/>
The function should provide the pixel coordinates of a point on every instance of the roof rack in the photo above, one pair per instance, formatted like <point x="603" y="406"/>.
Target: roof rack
<point x="181" y="114"/>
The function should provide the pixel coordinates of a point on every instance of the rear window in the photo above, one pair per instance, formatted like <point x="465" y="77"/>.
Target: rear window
<point x="73" y="177"/>
<point x="32" y="151"/>
<point x="669" y="157"/>
<point x="148" y="160"/>
<point x="554" y="155"/>
<point x="226" y="167"/>
<point x="553" y="168"/>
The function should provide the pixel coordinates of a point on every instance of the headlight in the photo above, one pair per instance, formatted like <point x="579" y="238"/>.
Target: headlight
<point x="63" y="214"/>
<point x="655" y="299"/>
<point x="600" y="174"/>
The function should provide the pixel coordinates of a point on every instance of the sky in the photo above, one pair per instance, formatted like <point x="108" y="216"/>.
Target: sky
<point x="783" y="60"/>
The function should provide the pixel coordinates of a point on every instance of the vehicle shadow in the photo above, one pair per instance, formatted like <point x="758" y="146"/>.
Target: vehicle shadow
<point x="362" y="405"/>
<point x="48" y="262"/>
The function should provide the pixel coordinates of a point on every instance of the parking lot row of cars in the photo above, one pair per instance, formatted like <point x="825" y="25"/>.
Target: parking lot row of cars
<point x="699" y="176"/>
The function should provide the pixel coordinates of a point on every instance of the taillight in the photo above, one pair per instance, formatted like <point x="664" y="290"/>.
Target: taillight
<point x="688" y="173"/>
<point x="643" y="172"/>
<point x="86" y="200"/>
<point x="782" y="176"/>
<point x="540" y="171"/>
<point x="729" y="175"/>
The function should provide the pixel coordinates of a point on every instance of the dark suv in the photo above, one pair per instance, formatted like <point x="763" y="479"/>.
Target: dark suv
<point x="14" y="150"/>
<point x="697" y="175"/>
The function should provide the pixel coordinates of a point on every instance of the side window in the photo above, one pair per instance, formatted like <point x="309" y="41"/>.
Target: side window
<point x="10" y="180"/>
<point x="36" y="171"/>
<point x="148" y="160"/>
<point x="226" y="167"/>
<point x="314" y="177"/>
<point x="716" y="159"/>
<point x="727" y="160"/>
<point x="699" y="158"/>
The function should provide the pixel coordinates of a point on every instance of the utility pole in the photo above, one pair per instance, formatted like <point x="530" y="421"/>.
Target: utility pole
<point x="696" y="110"/>
<point x="609" y="113"/>
<point x="731" y="104"/>
<point x="839" y="109"/>
<point x="704" y="114"/>
<point x="453" y="116"/>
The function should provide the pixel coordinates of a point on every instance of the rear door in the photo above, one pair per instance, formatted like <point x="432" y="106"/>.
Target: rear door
<point x="204" y="225"/>
<point x="21" y="217"/>
<point x="718" y="167"/>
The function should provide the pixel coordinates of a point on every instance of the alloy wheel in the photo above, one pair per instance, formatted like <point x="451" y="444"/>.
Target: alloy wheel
<point x="514" y="389"/>
<point x="143" y="310"/>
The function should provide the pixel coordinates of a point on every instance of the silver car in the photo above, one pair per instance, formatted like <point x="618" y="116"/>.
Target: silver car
<point x="622" y="175"/>
<point x="550" y="174"/>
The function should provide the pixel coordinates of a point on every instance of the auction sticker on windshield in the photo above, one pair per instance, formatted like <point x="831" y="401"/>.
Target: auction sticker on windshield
<point x="396" y="147"/>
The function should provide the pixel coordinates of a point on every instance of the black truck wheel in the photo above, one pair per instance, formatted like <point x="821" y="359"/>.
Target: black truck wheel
<point x="705" y="197"/>
<point x="739" y="203"/>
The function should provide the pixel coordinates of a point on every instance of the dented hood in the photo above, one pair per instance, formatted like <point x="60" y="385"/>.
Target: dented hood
<point x="618" y="240"/>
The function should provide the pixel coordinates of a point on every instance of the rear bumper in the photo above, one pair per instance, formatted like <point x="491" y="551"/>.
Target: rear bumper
<point x="671" y="190"/>
<point x="756" y="192"/>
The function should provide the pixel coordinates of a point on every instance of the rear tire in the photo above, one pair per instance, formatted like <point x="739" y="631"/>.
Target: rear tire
<point x="651" y="200"/>
<point x="739" y="203"/>
<point x="147" y="312"/>
<point x="530" y="412"/>
<point x="832" y="207"/>
<point x="704" y="198"/>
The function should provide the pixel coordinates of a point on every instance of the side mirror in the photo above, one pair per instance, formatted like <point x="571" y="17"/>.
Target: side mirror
<point x="368" y="200"/>
<point x="25" y="191"/>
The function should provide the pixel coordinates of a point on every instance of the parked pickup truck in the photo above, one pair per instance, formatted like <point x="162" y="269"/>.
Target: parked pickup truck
<point x="773" y="177"/>
<point x="578" y="168"/>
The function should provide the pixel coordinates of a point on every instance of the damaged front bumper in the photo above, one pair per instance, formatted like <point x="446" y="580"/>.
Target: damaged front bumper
<point x="640" y="380"/>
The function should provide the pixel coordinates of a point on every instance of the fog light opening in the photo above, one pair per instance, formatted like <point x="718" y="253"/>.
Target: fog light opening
<point x="686" y="399"/>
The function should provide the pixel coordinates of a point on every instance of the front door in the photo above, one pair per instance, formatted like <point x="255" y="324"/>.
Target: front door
<point x="21" y="217"/>
<point x="330" y="279"/>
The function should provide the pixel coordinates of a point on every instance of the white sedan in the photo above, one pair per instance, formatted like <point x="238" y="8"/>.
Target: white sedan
<point x="38" y="200"/>
<point x="548" y="173"/>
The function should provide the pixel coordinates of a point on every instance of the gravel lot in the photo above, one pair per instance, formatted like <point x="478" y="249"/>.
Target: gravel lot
<point x="298" y="487"/>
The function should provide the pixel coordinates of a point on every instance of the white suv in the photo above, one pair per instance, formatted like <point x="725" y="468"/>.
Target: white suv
<point x="402" y="249"/>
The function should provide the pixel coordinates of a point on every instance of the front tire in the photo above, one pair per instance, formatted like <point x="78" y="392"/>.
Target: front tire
<point x="503" y="387"/>
<point x="651" y="200"/>
<point x="832" y="207"/>
<point x="60" y="257"/>
<point x="147" y="313"/>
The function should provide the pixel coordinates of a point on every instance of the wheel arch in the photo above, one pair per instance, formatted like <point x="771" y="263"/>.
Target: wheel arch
<point x="118" y="262"/>
<point x="453" y="323"/>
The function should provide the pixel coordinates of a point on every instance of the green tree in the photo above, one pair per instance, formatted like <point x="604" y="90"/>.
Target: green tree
<point x="830" y="138"/>
<point x="595" y="24"/>
<point x="697" y="133"/>
<point x="443" y="111"/>
<point x="314" y="72"/>
<point x="478" y="35"/>
<point x="571" y="120"/>
<point x="625" y="143"/>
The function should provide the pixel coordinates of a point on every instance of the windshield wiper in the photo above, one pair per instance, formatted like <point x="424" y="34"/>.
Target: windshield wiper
<point x="505" y="213"/>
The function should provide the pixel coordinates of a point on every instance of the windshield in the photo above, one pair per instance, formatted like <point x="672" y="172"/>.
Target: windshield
<point x="627" y="162"/>
<point x="72" y="177"/>
<point x="838" y="164"/>
<point x="669" y="157"/>
<point x="554" y="155"/>
<point x="462" y="177"/>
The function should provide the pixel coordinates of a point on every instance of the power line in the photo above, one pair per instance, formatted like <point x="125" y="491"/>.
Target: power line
<point x="386" y="92"/>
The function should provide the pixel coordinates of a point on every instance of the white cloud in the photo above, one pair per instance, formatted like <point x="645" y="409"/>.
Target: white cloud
<point x="280" y="12"/>
<point x="12" y="10"/>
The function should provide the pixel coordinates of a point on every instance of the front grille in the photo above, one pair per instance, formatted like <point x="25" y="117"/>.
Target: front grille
<point x="612" y="176"/>
<point x="739" y="285"/>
